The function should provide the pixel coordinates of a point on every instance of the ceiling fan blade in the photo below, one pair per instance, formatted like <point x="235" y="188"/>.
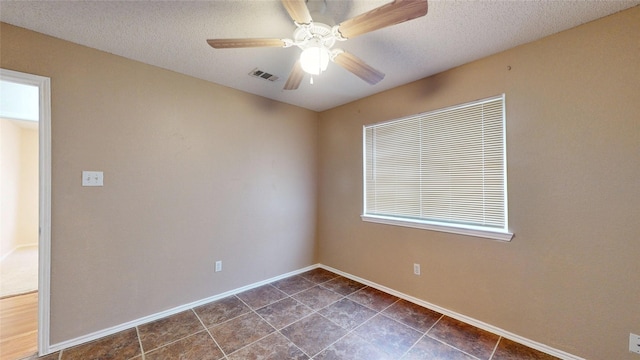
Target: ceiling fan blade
<point x="295" y="77"/>
<point x="298" y="11"/>
<point x="358" y="67"/>
<point x="244" y="43"/>
<point x="390" y="14"/>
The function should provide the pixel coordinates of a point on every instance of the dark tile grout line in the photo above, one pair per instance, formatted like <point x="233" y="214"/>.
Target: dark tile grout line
<point x="139" y="343"/>
<point x="495" y="348"/>
<point x="224" y="354"/>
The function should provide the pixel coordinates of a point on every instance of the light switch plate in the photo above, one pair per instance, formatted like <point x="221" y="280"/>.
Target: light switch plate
<point x="634" y="343"/>
<point x="92" y="178"/>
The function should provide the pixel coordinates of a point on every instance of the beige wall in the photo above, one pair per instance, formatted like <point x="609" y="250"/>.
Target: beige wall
<point x="194" y="172"/>
<point x="9" y="185"/>
<point x="18" y="186"/>
<point x="569" y="278"/>
<point x="28" y="192"/>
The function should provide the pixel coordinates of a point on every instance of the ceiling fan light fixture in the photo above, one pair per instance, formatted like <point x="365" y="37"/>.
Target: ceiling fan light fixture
<point x="315" y="59"/>
<point x="315" y="35"/>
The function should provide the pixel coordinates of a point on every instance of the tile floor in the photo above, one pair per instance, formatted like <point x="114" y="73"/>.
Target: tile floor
<point x="315" y="315"/>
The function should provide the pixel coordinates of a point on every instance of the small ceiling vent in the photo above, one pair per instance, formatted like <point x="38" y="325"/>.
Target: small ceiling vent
<point x="263" y="75"/>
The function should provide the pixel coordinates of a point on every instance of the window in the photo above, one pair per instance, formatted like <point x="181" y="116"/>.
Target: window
<point x="444" y="170"/>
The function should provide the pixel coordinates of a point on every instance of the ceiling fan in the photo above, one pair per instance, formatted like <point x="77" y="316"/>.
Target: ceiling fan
<point x="316" y="38"/>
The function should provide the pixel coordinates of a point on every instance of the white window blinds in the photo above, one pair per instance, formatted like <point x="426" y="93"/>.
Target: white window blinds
<point x="446" y="167"/>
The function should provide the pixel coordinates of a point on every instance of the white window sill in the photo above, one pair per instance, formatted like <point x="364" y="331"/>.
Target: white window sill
<point x="461" y="230"/>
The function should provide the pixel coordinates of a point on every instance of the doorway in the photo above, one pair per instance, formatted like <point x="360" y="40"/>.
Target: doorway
<point x="25" y="226"/>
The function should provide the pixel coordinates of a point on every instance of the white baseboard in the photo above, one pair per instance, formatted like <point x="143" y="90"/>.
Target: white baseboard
<point x="8" y="253"/>
<point x="16" y="248"/>
<point x="143" y="320"/>
<point x="27" y="245"/>
<point x="471" y="321"/>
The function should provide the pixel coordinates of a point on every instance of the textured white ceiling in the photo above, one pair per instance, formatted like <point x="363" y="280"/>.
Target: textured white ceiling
<point x="172" y="35"/>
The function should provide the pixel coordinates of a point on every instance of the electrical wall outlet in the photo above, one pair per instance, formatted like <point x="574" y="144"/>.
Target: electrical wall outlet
<point x="416" y="269"/>
<point x="218" y="266"/>
<point x="634" y="343"/>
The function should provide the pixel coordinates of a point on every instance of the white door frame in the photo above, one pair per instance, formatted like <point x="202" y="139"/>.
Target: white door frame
<point x="44" y="239"/>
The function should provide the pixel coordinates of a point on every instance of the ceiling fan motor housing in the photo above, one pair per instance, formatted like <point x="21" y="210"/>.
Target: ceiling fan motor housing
<point x="313" y="34"/>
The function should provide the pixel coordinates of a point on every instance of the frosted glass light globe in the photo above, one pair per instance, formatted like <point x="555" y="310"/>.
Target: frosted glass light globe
<point x="314" y="60"/>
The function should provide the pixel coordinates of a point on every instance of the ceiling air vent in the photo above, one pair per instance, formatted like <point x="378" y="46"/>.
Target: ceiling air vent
<point x="263" y="75"/>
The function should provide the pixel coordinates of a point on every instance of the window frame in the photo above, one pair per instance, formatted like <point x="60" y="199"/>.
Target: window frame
<point x="501" y="234"/>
